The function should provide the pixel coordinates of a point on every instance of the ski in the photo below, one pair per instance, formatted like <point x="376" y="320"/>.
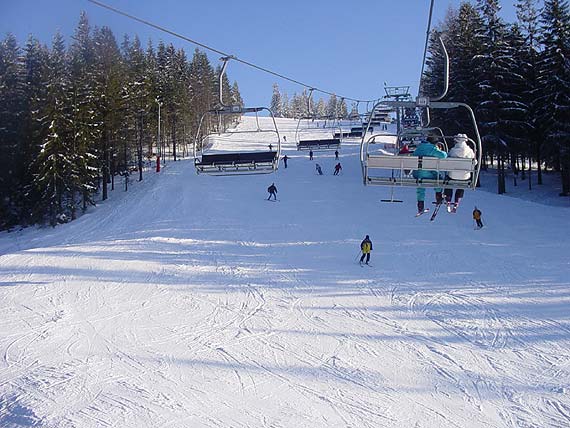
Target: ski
<point x="422" y="212"/>
<point x="435" y="211"/>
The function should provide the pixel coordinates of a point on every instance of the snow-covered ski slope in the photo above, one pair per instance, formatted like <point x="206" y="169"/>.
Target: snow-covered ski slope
<point x="191" y="301"/>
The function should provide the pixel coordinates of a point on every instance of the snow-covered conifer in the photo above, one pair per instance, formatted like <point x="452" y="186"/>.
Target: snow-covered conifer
<point x="553" y="96"/>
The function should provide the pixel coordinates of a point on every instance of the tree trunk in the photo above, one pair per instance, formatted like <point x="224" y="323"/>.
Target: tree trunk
<point x="174" y="138"/>
<point x="565" y="176"/>
<point x="140" y="146"/>
<point x="538" y="156"/>
<point x="529" y="173"/>
<point x="105" y="164"/>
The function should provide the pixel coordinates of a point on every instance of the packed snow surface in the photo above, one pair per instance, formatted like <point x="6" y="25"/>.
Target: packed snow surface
<point x="191" y="301"/>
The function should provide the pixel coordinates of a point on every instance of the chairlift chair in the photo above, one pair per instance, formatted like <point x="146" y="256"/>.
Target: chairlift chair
<point x="234" y="162"/>
<point x="375" y="167"/>
<point x="314" y="144"/>
<point x="237" y="162"/>
<point x="323" y="140"/>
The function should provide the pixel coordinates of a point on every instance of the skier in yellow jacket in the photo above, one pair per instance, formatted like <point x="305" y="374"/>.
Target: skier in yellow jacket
<point x="365" y="247"/>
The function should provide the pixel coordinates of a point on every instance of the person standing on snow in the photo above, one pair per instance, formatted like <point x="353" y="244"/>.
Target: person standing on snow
<point x="366" y="248"/>
<point x="337" y="169"/>
<point x="459" y="150"/>
<point x="336" y="154"/>
<point x="285" y="158"/>
<point x="318" y="168"/>
<point x="477" y="217"/>
<point x="310" y="155"/>
<point x="272" y="191"/>
<point x="427" y="149"/>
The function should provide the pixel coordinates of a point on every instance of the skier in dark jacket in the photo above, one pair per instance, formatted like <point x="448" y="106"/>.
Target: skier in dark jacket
<point x="272" y="191"/>
<point x="285" y="158"/>
<point x="366" y="248"/>
<point x="477" y="217"/>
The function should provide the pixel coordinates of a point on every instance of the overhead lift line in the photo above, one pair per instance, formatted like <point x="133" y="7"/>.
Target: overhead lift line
<point x="180" y="36"/>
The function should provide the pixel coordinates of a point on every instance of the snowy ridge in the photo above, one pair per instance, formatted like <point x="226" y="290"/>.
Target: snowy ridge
<point x="191" y="302"/>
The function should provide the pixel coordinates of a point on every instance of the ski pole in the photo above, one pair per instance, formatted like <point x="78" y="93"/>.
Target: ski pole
<point x="358" y="255"/>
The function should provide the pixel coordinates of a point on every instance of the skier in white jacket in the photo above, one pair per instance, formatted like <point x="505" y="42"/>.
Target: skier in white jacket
<point x="459" y="150"/>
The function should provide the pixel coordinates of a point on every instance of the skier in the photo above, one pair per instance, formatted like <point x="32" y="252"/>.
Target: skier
<point x="337" y="169"/>
<point x="272" y="191"/>
<point x="336" y="154"/>
<point x="427" y="149"/>
<point x="318" y="168"/>
<point x="285" y="158"/>
<point x="459" y="150"/>
<point x="284" y="139"/>
<point x="477" y="217"/>
<point x="271" y="147"/>
<point x="365" y="247"/>
<point x="310" y="155"/>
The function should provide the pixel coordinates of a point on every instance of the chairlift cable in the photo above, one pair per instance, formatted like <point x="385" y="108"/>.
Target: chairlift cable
<point x="180" y="36"/>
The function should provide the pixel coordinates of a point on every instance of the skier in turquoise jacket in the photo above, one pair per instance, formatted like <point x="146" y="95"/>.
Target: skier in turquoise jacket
<point x="427" y="149"/>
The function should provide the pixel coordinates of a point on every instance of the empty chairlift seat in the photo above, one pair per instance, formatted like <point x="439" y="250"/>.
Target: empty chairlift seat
<point x="326" y="144"/>
<point x="355" y="132"/>
<point x="236" y="163"/>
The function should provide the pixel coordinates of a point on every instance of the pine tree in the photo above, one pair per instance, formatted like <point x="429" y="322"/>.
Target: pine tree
<point x="236" y="95"/>
<point x="54" y="164"/>
<point x="516" y="114"/>
<point x="500" y="110"/>
<point x="332" y="107"/>
<point x="35" y="126"/>
<point x="527" y="14"/>
<point x="342" y="109"/>
<point x="320" y="108"/>
<point x="12" y="105"/>
<point x="553" y="100"/>
<point x="85" y="123"/>
<point x="276" y="102"/>
<point x="108" y="77"/>
<point x="153" y="98"/>
<point x="285" y="106"/>
<point x="354" y="115"/>
<point x="202" y="77"/>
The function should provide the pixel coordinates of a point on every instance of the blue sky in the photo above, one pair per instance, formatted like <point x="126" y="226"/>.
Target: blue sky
<point x="350" y="48"/>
